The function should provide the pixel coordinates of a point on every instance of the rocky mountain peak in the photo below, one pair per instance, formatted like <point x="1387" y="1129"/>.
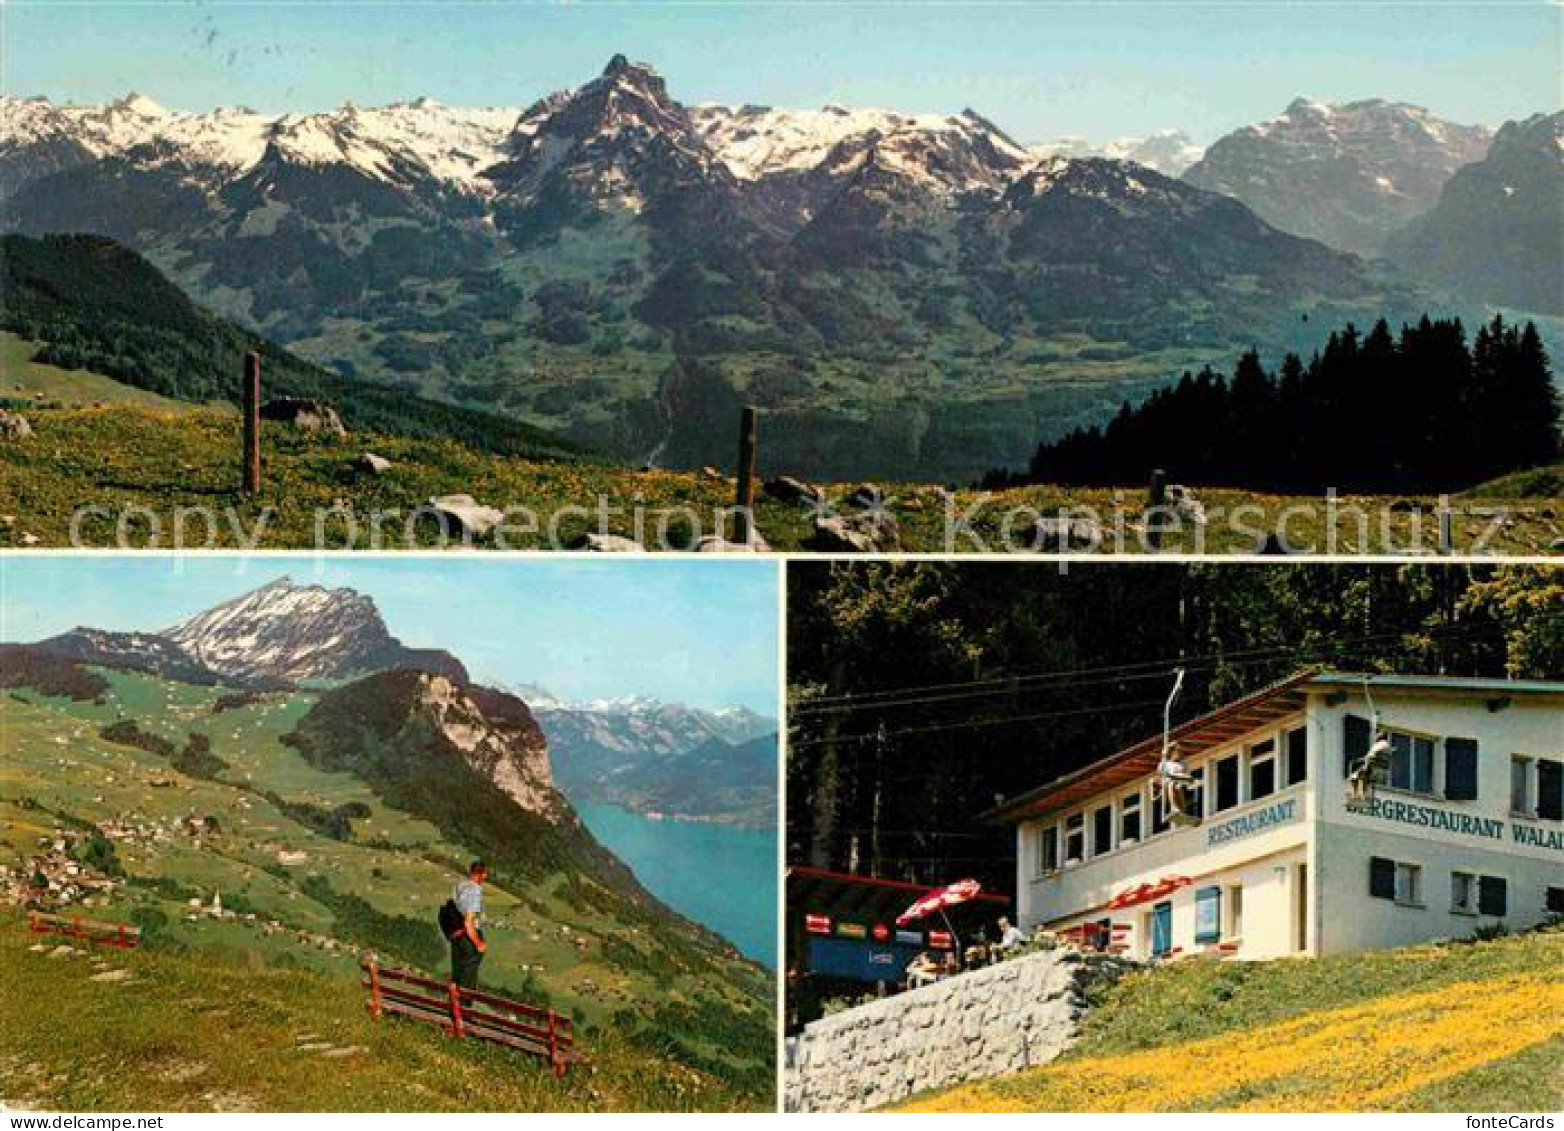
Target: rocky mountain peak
<point x="1347" y="174"/>
<point x="300" y="632"/>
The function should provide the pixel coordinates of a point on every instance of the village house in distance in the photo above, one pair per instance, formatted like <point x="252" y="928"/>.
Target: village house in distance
<point x="1283" y="851"/>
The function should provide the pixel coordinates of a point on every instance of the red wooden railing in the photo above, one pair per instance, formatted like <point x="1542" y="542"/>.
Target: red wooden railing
<point x="90" y="930"/>
<point x="471" y="1013"/>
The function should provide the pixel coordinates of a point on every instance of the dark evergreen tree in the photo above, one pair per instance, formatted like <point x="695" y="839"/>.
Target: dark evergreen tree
<point x="1417" y="412"/>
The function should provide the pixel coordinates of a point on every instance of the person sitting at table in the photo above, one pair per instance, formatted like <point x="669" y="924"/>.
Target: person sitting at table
<point x="1010" y="935"/>
<point x="922" y="971"/>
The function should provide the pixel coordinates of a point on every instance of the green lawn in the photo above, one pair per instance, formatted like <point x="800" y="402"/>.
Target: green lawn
<point x="1453" y="1027"/>
<point x="192" y="1032"/>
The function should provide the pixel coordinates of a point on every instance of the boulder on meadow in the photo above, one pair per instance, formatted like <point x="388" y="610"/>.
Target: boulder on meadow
<point x="1060" y="534"/>
<point x="787" y="489"/>
<point x="14" y="426"/>
<point x="867" y="495"/>
<point x="371" y="464"/>
<point x="876" y="532"/>
<point x="464" y="515"/>
<point x="715" y="544"/>
<point x="609" y="544"/>
<point x="304" y="413"/>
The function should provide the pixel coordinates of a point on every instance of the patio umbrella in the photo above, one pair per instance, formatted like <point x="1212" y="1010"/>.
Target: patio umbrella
<point x="938" y="900"/>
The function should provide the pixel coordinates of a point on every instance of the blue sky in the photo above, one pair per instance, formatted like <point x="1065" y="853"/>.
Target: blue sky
<point x="695" y="632"/>
<point x="1038" y="69"/>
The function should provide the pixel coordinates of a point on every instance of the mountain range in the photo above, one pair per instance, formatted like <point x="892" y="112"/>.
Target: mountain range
<point x="664" y="757"/>
<point x="917" y="295"/>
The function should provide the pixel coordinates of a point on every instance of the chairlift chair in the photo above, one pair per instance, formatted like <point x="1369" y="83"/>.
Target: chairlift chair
<point x="1370" y="768"/>
<point x="1174" y="782"/>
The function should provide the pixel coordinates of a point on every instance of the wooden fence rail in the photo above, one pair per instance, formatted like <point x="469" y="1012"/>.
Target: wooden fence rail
<point x="471" y="1013"/>
<point x="90" y="930"/>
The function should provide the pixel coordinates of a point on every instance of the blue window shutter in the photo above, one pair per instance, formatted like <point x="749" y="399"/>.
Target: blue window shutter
<point x="1382" y="878"/>
<point x="1492" y="895"/>
<point x="1461" y="769"/>
<point x="1355" y="739"/>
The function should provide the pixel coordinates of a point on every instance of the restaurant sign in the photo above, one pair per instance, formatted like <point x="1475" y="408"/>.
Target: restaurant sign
<point x="1460" y="824"/>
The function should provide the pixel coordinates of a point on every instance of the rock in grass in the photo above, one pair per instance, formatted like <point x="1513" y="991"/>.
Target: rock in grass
<point x="1061" y="534"/>
<point x="14" y="426"/>
<point x="875" y="532"/>
<point x="305" y="414"/>
<point x="789" y="490"/>
<point x="462" y="514"/>
<point x="713" y="544"/>
<point x="609" y="544"/>
<point x="867" y="495"/>
<point x="371" y="464"/>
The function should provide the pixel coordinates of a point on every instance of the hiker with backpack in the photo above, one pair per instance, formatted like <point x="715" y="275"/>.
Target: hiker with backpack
<point x="459" y="922"/>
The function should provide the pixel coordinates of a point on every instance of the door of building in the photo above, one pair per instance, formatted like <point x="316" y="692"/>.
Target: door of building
<point x="1161" y="929"/>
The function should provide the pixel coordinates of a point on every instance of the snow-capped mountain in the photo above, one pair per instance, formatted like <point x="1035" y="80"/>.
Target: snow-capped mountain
<point x="1344" y="174"/>
<point x="640" y="725"/>
<point x="301" y="632"/>
<point x="1497" y="232"/>
<point x="668" y="757"/>
<point x="441" y="143"/>
<point x="1170" y="152"/>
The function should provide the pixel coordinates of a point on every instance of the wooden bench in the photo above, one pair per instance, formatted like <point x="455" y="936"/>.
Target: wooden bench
<point x="88" y="930"/>
<point x="471" y="1013"/>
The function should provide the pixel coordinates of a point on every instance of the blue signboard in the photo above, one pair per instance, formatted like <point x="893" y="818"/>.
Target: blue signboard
<point x="860" y="960"/>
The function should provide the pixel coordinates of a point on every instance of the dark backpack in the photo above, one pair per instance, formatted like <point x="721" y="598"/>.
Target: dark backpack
<point x="452" y="921"/>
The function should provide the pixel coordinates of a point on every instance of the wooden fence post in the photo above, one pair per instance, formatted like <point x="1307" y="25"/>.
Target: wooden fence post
<point x="252" y="422"/>
<point x="457" y="1028"/>
<point x="375" y="1009"/>
<point x="746" y="475"/>
<point x="1156" y="499"/>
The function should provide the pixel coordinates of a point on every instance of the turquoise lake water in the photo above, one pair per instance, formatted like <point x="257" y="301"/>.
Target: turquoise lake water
<point x="723" y="877"/>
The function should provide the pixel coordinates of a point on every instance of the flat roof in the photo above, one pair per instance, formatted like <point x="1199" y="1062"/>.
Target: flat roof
<point x="1230" y="721"/>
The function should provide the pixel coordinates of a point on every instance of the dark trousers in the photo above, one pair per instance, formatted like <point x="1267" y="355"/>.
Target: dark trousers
<point x="465" y="960"/>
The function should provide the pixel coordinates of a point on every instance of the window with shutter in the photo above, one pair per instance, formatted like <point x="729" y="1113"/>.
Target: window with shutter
<point x="1208" y="915"/>
<point x="1492" y="895"/>
<point x="1382" y="878"/>
<point x="1461" y="769"/>
<point x="1550" y="790"/>
<point x="1355" y="739"/>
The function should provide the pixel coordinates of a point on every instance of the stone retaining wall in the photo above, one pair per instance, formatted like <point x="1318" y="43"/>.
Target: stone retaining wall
<point x="991" y="1022"/>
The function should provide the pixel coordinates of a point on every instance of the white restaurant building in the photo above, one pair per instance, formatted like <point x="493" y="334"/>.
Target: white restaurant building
<point x="1467" y="831"/>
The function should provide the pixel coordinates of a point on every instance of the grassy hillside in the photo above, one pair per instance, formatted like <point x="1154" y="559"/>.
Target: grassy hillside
<point x="370" y="876"/>
<point x="27" y="381"/>
<point x="97" y="306"/>
<point x="200" y="1032"/>
<point x="1456" y="1027"/>
<point x="123" y="456"/>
